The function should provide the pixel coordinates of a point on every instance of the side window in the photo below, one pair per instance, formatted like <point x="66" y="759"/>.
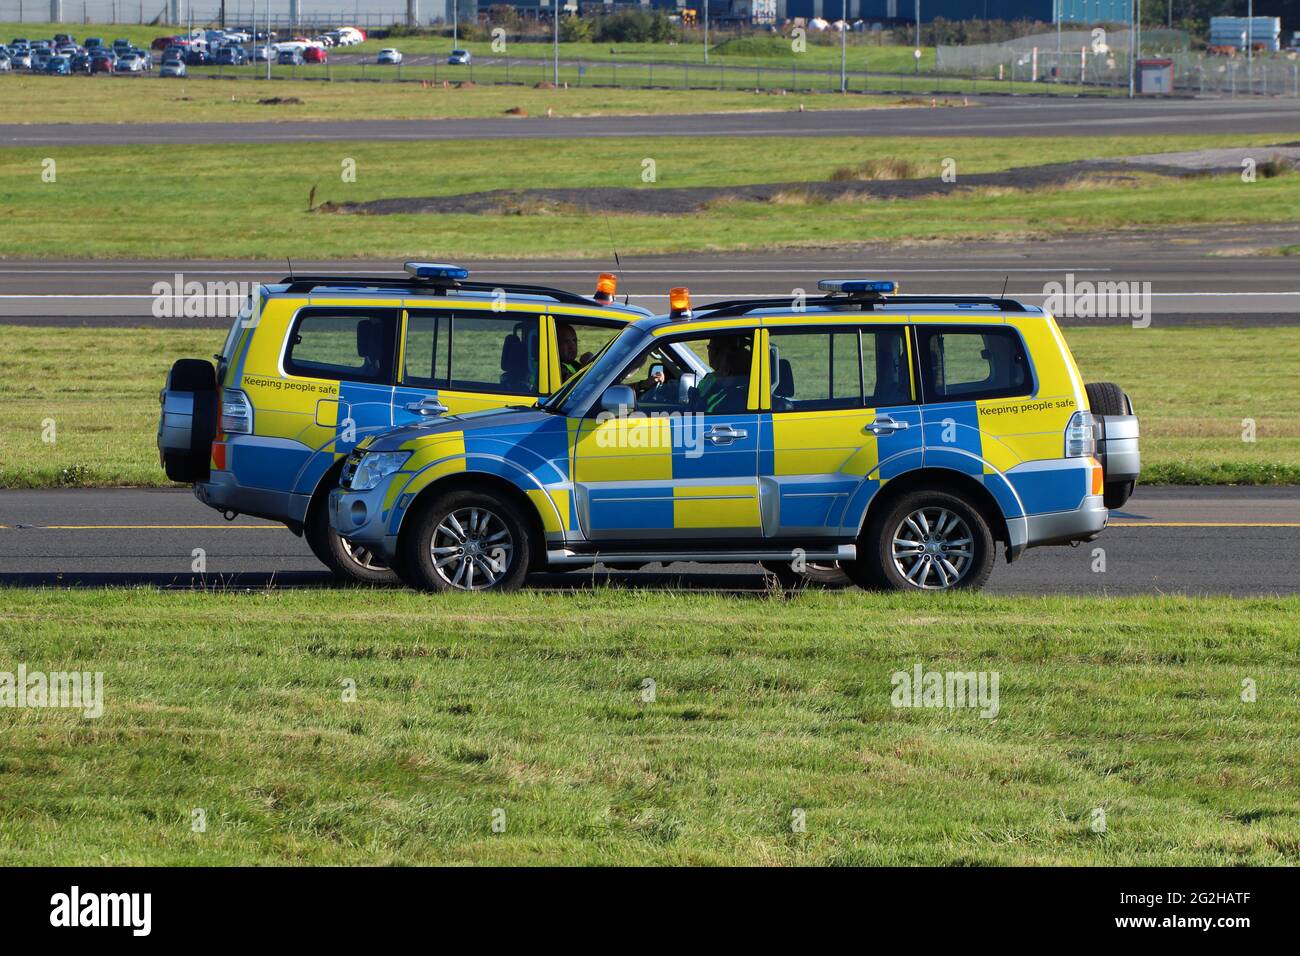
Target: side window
<point x="813" y="371"/>
<point x="965" y="364"/>
<point x="884" y="366"/>
<point x="351" y="345"/>
<point x="474" y="353"/>
<point x="579" y="342"/>
<point x="425" y="362"/>
<point x="663" y="382"/>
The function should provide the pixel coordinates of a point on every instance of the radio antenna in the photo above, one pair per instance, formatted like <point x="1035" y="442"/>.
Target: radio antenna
<point x="610" y="230"/>
<point x="290" y="262"/>
<point x="1005" y="278"/>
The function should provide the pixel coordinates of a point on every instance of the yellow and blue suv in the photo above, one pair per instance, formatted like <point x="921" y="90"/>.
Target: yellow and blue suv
<point x="900" y="436"/>
<point x="315" y="364"/>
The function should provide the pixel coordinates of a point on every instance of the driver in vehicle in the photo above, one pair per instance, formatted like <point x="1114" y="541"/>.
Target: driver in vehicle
<point x="570" y="362"/>
<point x="725" y="389"/>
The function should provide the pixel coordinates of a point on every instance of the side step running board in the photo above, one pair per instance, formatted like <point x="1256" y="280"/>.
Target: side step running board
<point x="563" y="556"/>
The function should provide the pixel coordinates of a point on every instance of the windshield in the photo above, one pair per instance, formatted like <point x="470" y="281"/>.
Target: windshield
<point x="580" y="390"/>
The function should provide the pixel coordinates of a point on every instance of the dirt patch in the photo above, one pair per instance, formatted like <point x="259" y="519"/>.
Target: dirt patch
<point x="279" y="101"/>
<point x="516" y="111"/>
<point x="649" y="200"/>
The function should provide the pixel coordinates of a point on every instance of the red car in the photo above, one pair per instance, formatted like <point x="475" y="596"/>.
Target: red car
<point x="162" y="43"/>
<point x="314" y="54"/>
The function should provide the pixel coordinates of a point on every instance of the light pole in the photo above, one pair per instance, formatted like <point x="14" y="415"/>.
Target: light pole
<point x="1250" y="46"/>
<point x="844" y="48"/>
<point x="557" y="41"/>
<point x="918" y="36"/>
<point x="706" y="31"/>
<point x="455" y="24"/>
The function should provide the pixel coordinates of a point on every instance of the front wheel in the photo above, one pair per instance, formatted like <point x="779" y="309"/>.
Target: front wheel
<point x="926" y="540"/>
<point x="350" y="564"/>
<point x="466" y="541"/>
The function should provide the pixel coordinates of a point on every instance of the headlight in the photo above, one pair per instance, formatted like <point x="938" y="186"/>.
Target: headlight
<point x="375" y="467"/>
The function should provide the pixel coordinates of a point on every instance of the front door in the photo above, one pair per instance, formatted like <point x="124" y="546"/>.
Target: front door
<point x="683" y="465"/>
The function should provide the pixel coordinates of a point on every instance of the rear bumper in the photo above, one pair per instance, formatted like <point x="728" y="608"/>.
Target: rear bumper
<point x="1059" y="527"/>
<point x="223" y="492"/>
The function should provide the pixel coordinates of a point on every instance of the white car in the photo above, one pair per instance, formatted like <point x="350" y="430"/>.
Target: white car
<point x="173" y="68"/>
<point x="389" y="56"/>
<point x="459" y="58"/>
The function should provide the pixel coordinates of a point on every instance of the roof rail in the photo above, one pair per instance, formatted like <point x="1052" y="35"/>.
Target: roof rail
<point x="733" y="307"/>
<point x="305" y="284"/>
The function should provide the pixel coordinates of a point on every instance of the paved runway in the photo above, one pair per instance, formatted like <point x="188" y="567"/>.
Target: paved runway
<point x="1204" y="276"/>
<point x="1236" y="541"/>
<point x="992" y="116"/>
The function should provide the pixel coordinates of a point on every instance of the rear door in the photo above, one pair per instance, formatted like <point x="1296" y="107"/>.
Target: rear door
<point x="843" y="419"/>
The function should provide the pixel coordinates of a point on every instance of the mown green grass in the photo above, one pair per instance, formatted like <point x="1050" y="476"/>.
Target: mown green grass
<point x="253" y="201"/>
<point x="1192" y="388"/>
<point x="200" y="99"/>
<point x="533" y="704"/>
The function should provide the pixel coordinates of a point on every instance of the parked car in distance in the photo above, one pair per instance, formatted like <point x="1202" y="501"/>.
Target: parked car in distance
<point x="21" y="59"/>
<point x="40" y="59"/>
<point x="314" y="54"/>
<point x="81" y="63"/>
<point x="58" y="66"/>
<point x="196" y="57"/>
<point x="459" y="58"/>
<point x="390" y="56"/>
<point x="290" y="57"/>
<point x="261" y="53"/>
<point x="230" y="56"/>
<point x="93" y="43"/>
<point x="6" y="65"/>
<point x="102" y="62"/>
<point x="129" y="64"/>
<point x="172" y="68"/>
<point x="64" y="39"/>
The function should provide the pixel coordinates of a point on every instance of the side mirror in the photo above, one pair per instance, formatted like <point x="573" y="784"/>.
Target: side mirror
<point x="684" y="386"/>
<point x="618" y="400"/>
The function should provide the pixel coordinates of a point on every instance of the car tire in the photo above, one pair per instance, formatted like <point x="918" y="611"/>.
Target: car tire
<point x="963" y="551"/>
<point x="187" y="457"/>
<point x="816" y="574"/>
<point x="348" y="565"/>
<point x="486" y="540"/>
<point x="1107" y="398"/>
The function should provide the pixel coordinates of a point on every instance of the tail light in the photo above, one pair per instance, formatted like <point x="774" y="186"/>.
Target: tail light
<point x="679" y="302"/>
<point x="1081" y="435"/>
<point x="236" y="412"/>
<point x="1098" y="478"/>
<point x="606" y="287"/>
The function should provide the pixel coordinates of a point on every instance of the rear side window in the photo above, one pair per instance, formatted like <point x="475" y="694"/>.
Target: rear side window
<point x="472" y="353"/>
<point x="350" y="345"/>
<point x="965" y="364"/>
<point x="813" y="371"/>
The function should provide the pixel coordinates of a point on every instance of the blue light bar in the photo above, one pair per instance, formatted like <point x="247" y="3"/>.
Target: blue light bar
<point x="436" y="270"/>
<point x="859" y="286"/>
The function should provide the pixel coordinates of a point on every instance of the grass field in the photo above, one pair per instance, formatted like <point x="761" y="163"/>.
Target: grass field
<point x="530" y="710"/>
<point x="44" y="99"/>
<point x="101" y="389"/>
<point x="253" y="203"/>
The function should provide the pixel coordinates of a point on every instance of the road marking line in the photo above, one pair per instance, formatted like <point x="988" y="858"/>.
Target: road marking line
<point x="1204" y="524"/>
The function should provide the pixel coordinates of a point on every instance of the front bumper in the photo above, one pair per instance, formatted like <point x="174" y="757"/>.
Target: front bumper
<point x="360" y="517"/>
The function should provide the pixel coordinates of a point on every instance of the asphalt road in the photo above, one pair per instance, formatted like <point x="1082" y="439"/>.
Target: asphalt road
<point x="1206" y="276"/>
<point x="991" y="116"/>
<point x="1235" y="541"/>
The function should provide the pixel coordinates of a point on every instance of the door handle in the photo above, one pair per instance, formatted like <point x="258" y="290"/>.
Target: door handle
<point x="724" y="434"/>
<point x="884" y="425"/>
<point x="427" y="406"/>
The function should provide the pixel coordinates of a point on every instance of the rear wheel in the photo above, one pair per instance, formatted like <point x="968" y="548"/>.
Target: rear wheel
<point x="815" y="574"/>
<point x="926" y="540"/>
<point x="349" y="563"/>
<point x="466" y="541"/>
